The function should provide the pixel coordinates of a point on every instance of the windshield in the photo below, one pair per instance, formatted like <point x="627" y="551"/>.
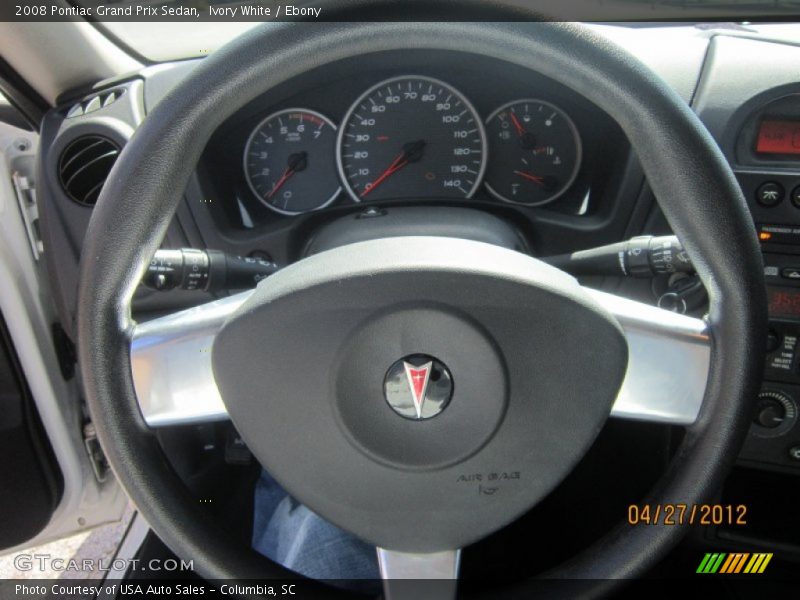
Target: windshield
<point x="159" y="42"/>
<point x="166" y="35"/>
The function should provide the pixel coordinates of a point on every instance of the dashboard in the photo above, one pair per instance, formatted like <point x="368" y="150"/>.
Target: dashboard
<point x="412" y="136"/>
<point x="412" y="128"/>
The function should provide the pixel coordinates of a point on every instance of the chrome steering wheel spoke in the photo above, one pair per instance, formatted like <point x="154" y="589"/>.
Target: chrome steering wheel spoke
<point x="413" y="575"/>
<point x="171" y="364"/>
<point x="668" y="361"/>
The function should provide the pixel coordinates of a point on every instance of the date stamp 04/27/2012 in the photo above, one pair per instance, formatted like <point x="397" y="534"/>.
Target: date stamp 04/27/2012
<point x="687" y="514"/>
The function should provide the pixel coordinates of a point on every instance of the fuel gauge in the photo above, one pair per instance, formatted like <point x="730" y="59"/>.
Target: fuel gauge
<point x="535" y="152"/>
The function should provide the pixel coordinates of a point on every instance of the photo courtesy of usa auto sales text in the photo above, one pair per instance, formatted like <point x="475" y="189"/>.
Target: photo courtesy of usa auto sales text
<point x="132" y="589"/>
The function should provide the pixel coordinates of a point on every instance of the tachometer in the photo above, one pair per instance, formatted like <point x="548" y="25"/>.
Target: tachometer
<point x="411" y="137"/>
<point x="536" y="152"/>
<point x="289" y="161"/>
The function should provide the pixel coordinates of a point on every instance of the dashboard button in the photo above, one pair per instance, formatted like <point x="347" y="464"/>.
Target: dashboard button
<point x="773" y="340"/>
<point x="790" y="272"/>
<point x="769" y="194"/>
<point x="794" y="453"/>
<point x="795" y="197"/>
<point x="371" y="213"/>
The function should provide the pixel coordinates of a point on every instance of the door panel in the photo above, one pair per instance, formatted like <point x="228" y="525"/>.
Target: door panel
<point x="29" y="476"/>
<point x="44" y="495"/>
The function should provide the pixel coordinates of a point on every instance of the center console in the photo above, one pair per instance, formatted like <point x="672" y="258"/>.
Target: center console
<point x="769" y="148"/>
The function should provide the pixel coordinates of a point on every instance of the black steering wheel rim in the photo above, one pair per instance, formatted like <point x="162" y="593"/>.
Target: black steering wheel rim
<point x="688" y="174"/>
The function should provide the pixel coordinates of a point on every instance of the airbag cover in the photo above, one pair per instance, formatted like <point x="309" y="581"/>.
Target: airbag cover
<point x="535" y="365"/>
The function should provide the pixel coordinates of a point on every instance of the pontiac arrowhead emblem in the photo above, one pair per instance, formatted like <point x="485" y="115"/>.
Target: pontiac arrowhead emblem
<point x="418" y="387"/>
<point x="418" y="383"/>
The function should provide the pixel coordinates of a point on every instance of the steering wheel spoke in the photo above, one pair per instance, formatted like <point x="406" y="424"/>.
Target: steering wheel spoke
<point x="665" y="381"/>
<point x="171" y="364"/>
<point x="404" y="573"/>
<point x="668" y="362"/>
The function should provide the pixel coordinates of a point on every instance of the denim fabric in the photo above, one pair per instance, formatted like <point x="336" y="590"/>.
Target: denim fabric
<point x="290" y="534"/>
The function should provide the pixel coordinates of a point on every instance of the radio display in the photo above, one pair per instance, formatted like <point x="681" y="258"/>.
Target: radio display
<point x="778" y="137"/>
<point x="783" y="302"/>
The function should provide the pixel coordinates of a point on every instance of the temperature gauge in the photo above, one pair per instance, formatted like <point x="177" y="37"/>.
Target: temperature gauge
<point x="535" y="152"/>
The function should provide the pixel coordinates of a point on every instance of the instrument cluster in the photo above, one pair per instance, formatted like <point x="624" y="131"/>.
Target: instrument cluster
<point x="412" y="137"/>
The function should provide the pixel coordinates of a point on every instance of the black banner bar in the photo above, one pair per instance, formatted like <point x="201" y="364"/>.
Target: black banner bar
<point x="298" y="589"/>
<point x="193" y="11"/>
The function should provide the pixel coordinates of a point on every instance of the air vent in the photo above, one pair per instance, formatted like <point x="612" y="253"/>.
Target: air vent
<point x="84" y="166"/>
<point x="93" y="103"/>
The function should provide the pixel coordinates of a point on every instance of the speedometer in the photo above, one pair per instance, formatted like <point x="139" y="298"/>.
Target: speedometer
<point x="411" y="137"/>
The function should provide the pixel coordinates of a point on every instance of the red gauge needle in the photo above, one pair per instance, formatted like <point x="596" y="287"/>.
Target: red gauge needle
<point x="278" y="184"/>
<point x="534" y="178"/>
<point x="412" y="152"/>
<point x="526" y="139"/>
<point x="397" y="164"/>
<point x="297" y="162"/>
<point x="520" y="129"/>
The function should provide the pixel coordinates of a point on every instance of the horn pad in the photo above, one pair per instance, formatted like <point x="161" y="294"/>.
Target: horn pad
<point x="534" y="364"/>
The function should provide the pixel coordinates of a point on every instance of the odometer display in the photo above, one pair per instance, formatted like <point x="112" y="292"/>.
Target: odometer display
<point x="411" y="137"/>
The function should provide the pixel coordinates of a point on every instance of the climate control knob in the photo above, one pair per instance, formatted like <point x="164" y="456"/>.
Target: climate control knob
<point x="775" y="414"/>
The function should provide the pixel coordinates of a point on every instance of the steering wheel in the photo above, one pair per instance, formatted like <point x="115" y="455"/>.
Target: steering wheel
<point x="535" y="363"/>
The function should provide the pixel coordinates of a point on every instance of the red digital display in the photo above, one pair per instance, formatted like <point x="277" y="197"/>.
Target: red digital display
<point x="778" y="137"/>
<point x="784" y="302"/>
